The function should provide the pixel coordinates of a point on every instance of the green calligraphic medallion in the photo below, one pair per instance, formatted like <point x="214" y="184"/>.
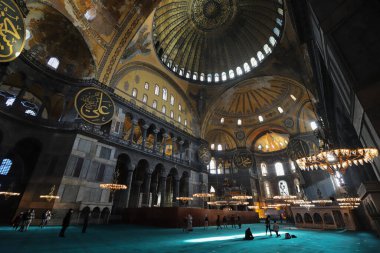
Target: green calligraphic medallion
<point x="243" y="159"/>
<point x="94" y="106"/>
<point x="12" y="31"/>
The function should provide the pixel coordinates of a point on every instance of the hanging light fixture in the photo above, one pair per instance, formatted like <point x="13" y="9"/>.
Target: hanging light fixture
<point x="49" y="197"/>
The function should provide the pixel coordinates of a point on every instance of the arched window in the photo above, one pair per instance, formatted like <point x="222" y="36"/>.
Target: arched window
<point x="254" y="62"/>
<point x="165" y="94"/>
<point x="181" y="72"/>
<point x="30" y="112"/>
<point x="172" y="114"/>
<point x="195" y="76"/>
<point x="134" y="92"/>
<point x="212" y="166"/>
<point x="175" y="68"/>
<point x="283" y="188"/>
<point x="90" y="14"/>
<point x="224" y="76"/>
<point x="220" y="169"/>
<point x="297" y="185"/>
<point x="280" y="11"/>
<point x="188" y="74"/>
<point x="264" y="170"/>
<point x="156" y="90"/>
<point x="246" y="67"/>
<point x="53" y="62"/>
<point x="146" y="86"/>
<point x="179" y="118"/>
<point x="212" y="146"/>
<point x="212" y="189"/>
<point x="268" y="192"/>
<point x="221" y="120"/>
<point x="292" y="166"/>
<point x="220" y="148"/>
<point x="216" y="77"/>
<point x="169" y="64"/>
<point x="164" y="58"/>
<point x="145" y="99"/>
<point x="239" y="71"/>
<point x="209" y="78"/>
<point x="272" y="41"/>
<point x="185" y="122"/>
<point x="171" y="99"/>
<point x="202" y="77"/>
<point x="163" y="109"/>
<point x="279" y="169"/>
<point x="239" y="122"/>
<point x="180" y="107"/>
<point x="279" y="21"/>
<point x="154" y="104"/>
<point x="231" y="74"/>
<point x="260" y="56"/>
<point x="267" y="49"/>
<point x="276" y="31"/>
<point x="5" y="166"/>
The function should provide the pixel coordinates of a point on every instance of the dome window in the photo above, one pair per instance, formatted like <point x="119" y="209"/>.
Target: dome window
<point x="209" y="78"/>
<point x="175" y="68"/>
<point x="261" y="118"/>
<point x="220" y="148"/>
<point x="216" y="77"/>
<point x="202" y="77"/>
<point x="280" y="109"/>
<point x="188" y="74"/>
<point x="246" y="67"/>
<point x="280" y="11"/>
<point x="293" y="97"/>
<point x="279" y="21"/>
<point x="90" y="14"/>
<point x="195" y="76"/>
<point x="267" y="49"/>
<point x="231" y="74"/>
<point x="239" y="122"/>
<point x="253" y="62"/>
<point x="222" y="121"/>
<point x="260" y="56"/>
<point x="276" y="31"/>
<point x="313" y="125"/>
<point x="53" y="62"/>
<point x="272" y="41"/>
<point x="239" y="71"/>
<point x="224" y="76"/>
<point x="212" y="146"/>
<point x="181" y="72"/>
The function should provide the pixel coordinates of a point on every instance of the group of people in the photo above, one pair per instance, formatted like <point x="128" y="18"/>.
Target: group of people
<point x="24" y="219"/>
<point x="233" y="222"/>
<point x="275" y="228"/>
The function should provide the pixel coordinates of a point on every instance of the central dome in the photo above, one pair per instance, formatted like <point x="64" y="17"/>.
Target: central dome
<point x="211" y="15"/>
<point x="214" y="41"/>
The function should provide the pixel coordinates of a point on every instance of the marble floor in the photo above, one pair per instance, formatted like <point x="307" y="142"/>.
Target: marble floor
<point x="128" y="238"/>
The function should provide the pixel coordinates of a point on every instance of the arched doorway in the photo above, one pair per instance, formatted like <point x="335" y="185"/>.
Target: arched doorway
<point x="155" y="186"/>
<point x="22" y="160"/>
<point x="138" y="183"/>
<point x="172" y="187"/>
<point x="184" y="185"/>
<point x="121" y="171"/>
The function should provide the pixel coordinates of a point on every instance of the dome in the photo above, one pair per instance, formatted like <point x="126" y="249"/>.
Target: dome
<point x="271" y="142"/>
<point x="214" y="41"/>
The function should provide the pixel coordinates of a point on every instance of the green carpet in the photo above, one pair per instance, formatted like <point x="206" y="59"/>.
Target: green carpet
<point x="128" y="238"/>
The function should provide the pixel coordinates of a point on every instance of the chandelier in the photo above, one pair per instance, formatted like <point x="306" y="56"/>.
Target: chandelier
<point x="113" y="187"/>
<point x="241" y="197"/>
<point x="285" y="197"/>
<point x="337" y="159"/>
<point x="203" y="195"/>
<point x="184" y="199"/>
<point x="10" y="194"/>
<point x="49" y="197"/>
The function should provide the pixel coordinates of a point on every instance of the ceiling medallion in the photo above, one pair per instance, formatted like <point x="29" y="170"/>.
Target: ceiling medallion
<point x="208" y="15"/>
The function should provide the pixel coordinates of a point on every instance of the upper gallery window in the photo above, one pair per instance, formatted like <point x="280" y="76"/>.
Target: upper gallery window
<point x="165" y="94"/>
<point x="279" y="169"/>
<point x="134" y="92"/>
<point x="264" y="170"/>
<point x="53" y="62"/>
<point x="5" y="166"/>
<point x="145" y="99"/>
<point x="156" y="90"/>
<point x="171" y="99"/>
<point x="146" y="86"/>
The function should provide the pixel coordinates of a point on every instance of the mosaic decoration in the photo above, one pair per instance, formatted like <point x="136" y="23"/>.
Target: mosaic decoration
<point x="243" y="159"/>
<point x="12" y="31"/>
<point x="204" y="154"/>
<point x="94" y="106"/>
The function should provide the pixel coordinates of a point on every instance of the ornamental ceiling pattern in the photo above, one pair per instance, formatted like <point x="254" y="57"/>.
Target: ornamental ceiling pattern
<point x="213" y="41"/>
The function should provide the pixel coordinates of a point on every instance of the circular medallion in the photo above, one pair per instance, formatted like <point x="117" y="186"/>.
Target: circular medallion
<point x="12" y="31"/>
<point x="289" y="123"/>
<point x="94" y="106"/>
<point x="243" y="159"/>
<point x="208" y="15"/>
<point x="297" y="148"/>
<point x="240" y="135"/>
<point x="204" y="154"/>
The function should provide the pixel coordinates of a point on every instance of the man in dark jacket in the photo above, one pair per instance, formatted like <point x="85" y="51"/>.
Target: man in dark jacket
<point x="66" y="222"/>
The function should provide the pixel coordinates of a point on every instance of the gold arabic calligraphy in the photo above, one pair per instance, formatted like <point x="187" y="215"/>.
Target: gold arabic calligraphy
<point x="94" y="106"/>
<point x="12" y="31"/>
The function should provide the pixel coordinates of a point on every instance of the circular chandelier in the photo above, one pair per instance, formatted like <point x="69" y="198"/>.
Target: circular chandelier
<point x="322" y="201"/>
<point x="113" y="187"/>
<point x="337" y="159"/>
<point x="241" y="197"/>
<point x="203" y="195"/>
<point x="184" y="199"/>
<point x="285" y="197"/>
<point x="49" y="197"/>
<point x="10" y="194"/>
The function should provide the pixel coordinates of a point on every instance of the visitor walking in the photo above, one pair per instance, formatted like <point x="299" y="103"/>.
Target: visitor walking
<point x="184" y="225"/>
<point x="29" y="219"/>
<point x="206" y="222"/>
<point x="23" y="221"/>
<point x="189" y="223"/>
<point x="267" y="225"/>
<point x="276" y="228"/>
<point x="85" y="222"/>
<point x="225" y="221"/>
<point x="17" y="221"/>
<point x="233" y="225"/>
<point x="46" y="216"/>
<point x="218" y="223"/>
<point x="66" y="222"/>
<point x="239" y="221"/>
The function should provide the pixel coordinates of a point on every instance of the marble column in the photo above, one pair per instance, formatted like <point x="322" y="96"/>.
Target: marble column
<point x="175" y="192"/>
<point x="129" y="185"/>
<point x="180" y="149"/>
<point x="146" y="194"/>
<point x="144" y="133"/>
<point x="155" y="131"/>
<point x="163" y="191"/>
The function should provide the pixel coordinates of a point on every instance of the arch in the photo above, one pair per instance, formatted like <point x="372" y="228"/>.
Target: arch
<point x="171" y="187"/>
<point x="84" y="212"/>
<point x="328" y="219"/>
<point x="220" y="136"/>
<point x="317" y="218"/>
<point x="155" y="184"/>
<point x="279" y="169"/>
<point x="184" y="184"/>
<point x="95" y="213"/>
<point x="104" y="216"/>
<point x="283" y="188"/>
<point x="123" y="165"/>
<point x="299" y="218"/>
<point x="138" y="181"/>
<point x="308" y="218"/>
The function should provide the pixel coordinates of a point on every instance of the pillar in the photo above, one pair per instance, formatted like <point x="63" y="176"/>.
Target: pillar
<point x="163" y="190"/>
<point x="174" y="139"/>
<point x="175" y="192"/>
<point x="134" y="124"/>
<point x="155" y="132"/>
<point x="180" y="149"/>
<point x="146" y="193"/>
<point x="129" y="185"/>
<point x="164" y="138"/>
<point x="144" y="133"/>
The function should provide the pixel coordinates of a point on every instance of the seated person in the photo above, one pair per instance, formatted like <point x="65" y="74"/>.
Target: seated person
<point x="248" y="234"/>
<point x="276" y="228"/>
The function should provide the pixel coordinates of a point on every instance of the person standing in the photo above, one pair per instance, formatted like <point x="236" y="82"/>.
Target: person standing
<point x="267" y="225"/>
<point x="218" y="223"/>
<point x="206" y="222"/>
<point x="18" y="220"/>
<point x="24" y="219"/>
<point x="276" y="228"/>
<point x="44" y="218"/>
<point x="29" y="219"/>
<point x="225" y="221"/>
<point x="232" y="219"/>
<point x="85" y="222"/>
<point x="239" y="221"/>
<point x="66" y="222"/>
<point x="189" y="222"/>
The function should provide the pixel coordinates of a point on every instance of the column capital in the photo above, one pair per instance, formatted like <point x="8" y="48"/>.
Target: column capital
<point x="146" y="126"/>
<point x="135" y="122"/>
<point x="174" y="139"/>
<point x="181" y="142"/>
<point x="165" y="135"/>
<point x="156" y="131"/>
